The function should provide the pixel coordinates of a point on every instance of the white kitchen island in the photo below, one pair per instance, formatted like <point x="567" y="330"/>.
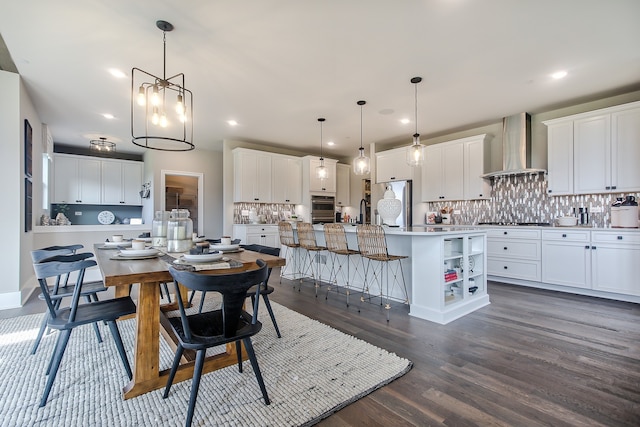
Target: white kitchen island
<point x="431" y="251"/>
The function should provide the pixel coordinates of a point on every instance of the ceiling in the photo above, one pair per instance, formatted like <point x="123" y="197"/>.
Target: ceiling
<point x="275" y="66"/>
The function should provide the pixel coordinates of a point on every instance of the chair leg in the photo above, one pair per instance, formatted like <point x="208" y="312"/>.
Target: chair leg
<point x="204" y="294"/>
<point x="273" y="317"/>
<point x="115" y="332"/>
<point x="174" y="369"/>
<point x="166" y="291"/>
<point x="239" y="354"/>
<point x="195" y="385"/>
<point x="256" y="369"/>
<point x="56" y="358"/>
<point x="43" y="326"/>
<point x="95" y="324"/>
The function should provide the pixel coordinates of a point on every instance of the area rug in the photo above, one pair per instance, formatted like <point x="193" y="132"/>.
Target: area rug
<point x="310" y="373"/>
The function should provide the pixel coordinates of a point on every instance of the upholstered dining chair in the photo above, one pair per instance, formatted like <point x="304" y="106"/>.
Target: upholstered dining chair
<point x="229" y="324"/>
<point x="62" y="288"/>
<point x="68" y="318"/>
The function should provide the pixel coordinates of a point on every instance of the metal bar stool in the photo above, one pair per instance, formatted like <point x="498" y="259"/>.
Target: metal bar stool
<point x="307" y="240"/>
<point x="372" y="244"/>
<point x="339" y="252"/>
<point x="288" y="240"/>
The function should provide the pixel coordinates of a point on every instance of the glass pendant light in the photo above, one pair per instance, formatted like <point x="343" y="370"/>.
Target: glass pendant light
<point x="415" y="152"/>
<point x="321" y="171"/>
<point x="361" y="164"/>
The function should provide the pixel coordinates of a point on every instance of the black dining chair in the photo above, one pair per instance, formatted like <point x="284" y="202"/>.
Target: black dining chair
<point x="228" y="324"/>
<point x="68" y="318"/>
<point x="264" y="288"/>
<point x="62" y="288"/>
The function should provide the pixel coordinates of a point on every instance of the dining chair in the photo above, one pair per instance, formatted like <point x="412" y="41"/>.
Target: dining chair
<point x="68" y="318"/>
<point x="340" y="254"/>
<point x="372" y="244"/>
<point x="264" y="288"/>
<point x="288" y="241"/>
<point x="228" y="324"/>
<point x="307" y="240"/>
<point x="62" y="288"/>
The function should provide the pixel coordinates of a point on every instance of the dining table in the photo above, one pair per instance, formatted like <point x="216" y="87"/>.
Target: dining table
<point x="151" y="322"/>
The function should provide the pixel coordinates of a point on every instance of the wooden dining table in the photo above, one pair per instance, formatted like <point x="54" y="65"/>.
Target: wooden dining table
<point x="150" y="321"/>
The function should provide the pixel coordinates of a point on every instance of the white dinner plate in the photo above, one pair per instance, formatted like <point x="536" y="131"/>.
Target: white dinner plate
<point x="221" y="247"/>
<point x="145" y="239"/>
<point x="214" y="256"/>
<point x="138" y="252"/>
<point x="124" y="243"/>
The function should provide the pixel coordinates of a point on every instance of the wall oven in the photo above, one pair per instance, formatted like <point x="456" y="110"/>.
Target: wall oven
<point x="323" y="209"/>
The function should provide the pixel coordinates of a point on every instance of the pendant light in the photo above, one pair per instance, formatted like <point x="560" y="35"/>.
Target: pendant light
<point x="321" y="171"/>
<point x="415" y="152"/>
<point x="361" y="164"/>
<point x="155" y="124"/>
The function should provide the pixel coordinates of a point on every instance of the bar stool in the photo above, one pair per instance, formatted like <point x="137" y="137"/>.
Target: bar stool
<point x="288" y="240"/>
<point x="307" y="240"/>
<point x="339" y="252"/>
<point x="372" y="244"/>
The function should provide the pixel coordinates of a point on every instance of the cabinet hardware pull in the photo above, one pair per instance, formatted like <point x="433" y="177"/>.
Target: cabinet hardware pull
<point x="480" y="195"/>
<point x="593" y="247"/>
<point x="587" y="247"/>
<point x="564" y="235"/>
<point x="613" y="187"/>
<point x="505" y="267"/>
<point x="550" y="191"/>
<point x="393" y="177"/>
<point x="619" y="237"/>
<point x="505" y="232"/>
<point x="607" y="188"/>
<point x="505" y="248"/>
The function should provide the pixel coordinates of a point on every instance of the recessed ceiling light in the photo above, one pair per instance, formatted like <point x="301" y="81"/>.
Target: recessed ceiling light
<point x="331" y="143"/>
<point x="108" y="116"/>
<point x="559" y="74"/>
<point x="232" y="123"/>
<point x="117" y="73"/>
<point x="405" y="121"/>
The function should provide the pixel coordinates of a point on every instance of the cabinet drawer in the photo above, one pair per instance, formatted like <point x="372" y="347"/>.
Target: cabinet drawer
<point x="525" y="270"/>
<point x="567" y="235"/>
<point x="261" y="229"/>
<point x="506" y="248"/>
<point x="513" y="233"/>
<point x="622" y="237"/>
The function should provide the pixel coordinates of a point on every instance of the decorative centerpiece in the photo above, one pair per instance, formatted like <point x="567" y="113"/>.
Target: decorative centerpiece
<point x="389" y="207"/>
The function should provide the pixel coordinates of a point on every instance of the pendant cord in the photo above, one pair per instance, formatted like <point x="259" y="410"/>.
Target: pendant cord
<point x="164" y="55"/>
<point x="416" y="97"/>
<point x="321" y="154"/>
<point x="361" y="148"/>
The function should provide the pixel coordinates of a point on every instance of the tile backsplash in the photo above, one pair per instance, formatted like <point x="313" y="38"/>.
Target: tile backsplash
<point x="273" y="212"/>
<point x="524" y="198"/>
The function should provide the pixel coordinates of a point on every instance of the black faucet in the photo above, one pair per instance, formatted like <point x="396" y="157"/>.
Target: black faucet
<point x="363" y="202"/>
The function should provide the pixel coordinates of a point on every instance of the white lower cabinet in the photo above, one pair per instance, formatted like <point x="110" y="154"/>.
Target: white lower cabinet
<point x="257" y="234"/>
<point x="614" y="262"/>
<point x="514" y="253"/>
<point x="566" y="258"/>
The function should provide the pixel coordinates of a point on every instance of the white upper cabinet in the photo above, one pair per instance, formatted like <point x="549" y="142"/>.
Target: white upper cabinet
<point x="252" y="176"/>
<point x="286" y="182"/>
<point x="443" y="172"/>
<point x="343" y="193"/>
<point x="316" y="185"/>
<point x="595" y="152"/>
<point x="477" y="162"/>
<point x="76" y="179"/>
<point x="392" y="165"/>
<point x="121" y="182"/>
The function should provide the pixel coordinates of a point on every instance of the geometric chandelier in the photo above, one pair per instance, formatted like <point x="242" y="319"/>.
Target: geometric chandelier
<point x="161" y="107"/>
<point x="102" y="145"/>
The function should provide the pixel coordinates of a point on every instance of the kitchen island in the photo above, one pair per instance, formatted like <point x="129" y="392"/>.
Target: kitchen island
<point x="445" y="272"/>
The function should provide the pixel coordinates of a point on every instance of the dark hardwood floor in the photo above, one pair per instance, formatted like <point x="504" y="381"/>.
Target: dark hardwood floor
<point x="530" y="358"/>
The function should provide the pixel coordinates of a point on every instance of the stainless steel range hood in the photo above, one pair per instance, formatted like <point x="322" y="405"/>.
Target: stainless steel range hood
<point x="516" y="147"/>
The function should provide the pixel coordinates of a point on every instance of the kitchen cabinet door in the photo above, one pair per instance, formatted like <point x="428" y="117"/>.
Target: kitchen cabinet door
<point x="252" y="176"/>
<point x="322" y="186"/>
<point x="392" y="165"/>
<point x="121" y="183"/>
<point x="112" y="183"/>
<point x="560" y="158"/>
<point x="566" y="263"/>
<point x="443" y="172"/>
<point x="614" y="268"/>
<point x="286" y="184"/>
<point x="343" y="193"/>
<point x="89" y="181"/>
<point x="132" y="182"/>
<point x="625" y="150"/>
<point x="476" y="163"/>
<point x="65" y="179"/>
<point x="592" y="154"/>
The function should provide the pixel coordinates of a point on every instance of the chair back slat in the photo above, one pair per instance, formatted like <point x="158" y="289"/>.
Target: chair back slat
<point x="371" y="240"/>
<point x="233" y="288"/>
<point x="335" y="237"/>
<point x="286" y="233"/>
<point x="306" y="235"/>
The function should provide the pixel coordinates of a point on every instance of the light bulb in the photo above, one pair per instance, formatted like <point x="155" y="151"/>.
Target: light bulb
<point x="163" y="120"/>
<point x="180" y="106"/>
<point x="321" y="172"/>
<point x="182" y="117"/>
<point x="155" y="118"/>
<point x="155" y="97"/>
<point x="141" y="97"/>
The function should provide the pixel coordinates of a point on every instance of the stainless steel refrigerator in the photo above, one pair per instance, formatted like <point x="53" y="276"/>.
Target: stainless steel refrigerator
<point x="404" y="193"/>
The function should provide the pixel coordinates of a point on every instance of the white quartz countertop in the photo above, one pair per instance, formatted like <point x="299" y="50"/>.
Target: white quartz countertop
<point x="90" y="228"/>
<point x="420" y="230"/>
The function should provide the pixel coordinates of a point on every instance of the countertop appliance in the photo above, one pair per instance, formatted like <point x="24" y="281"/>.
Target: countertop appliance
<point x="404" y="193"/>
<point x="624" y="213"/>
<point x="323" y="209"/>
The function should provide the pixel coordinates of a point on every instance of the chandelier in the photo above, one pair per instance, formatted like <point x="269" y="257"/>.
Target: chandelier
<point x="415" y="152"/>
<point x="161" y="107"/>
<point x="102" y="145"/>
<point x="361" y="164"/>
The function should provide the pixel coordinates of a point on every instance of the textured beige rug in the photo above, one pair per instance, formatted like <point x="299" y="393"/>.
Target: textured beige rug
<point x="311" y="372"/>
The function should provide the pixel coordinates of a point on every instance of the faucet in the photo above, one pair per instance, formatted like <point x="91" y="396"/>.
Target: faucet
<point x="363" y="207"/>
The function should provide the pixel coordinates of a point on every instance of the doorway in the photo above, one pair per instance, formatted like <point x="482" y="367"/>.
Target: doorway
<point x="183" y="190"/>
